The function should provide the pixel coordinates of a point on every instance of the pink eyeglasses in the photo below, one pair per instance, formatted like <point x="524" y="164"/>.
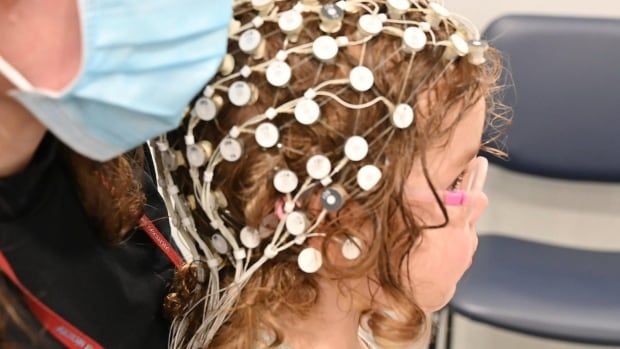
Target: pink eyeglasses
<point x="476" y="176"/>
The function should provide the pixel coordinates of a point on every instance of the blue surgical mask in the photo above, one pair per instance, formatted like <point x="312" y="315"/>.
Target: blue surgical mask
<point x="142" y="62"/>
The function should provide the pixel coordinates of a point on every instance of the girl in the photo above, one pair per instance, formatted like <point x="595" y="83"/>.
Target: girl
<point x="326" y="181"/>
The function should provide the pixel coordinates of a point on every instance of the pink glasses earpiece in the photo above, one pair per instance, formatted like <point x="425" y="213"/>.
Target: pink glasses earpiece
<point x="455" y="198"/>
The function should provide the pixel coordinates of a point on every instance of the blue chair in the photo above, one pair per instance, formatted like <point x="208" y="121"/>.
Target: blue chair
<point x="566" y="107"/>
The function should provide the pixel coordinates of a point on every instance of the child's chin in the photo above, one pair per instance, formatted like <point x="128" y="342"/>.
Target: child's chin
<point x="440" y="302"/>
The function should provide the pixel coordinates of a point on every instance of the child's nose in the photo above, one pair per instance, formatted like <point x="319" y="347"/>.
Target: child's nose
<point x="478" y="206"/>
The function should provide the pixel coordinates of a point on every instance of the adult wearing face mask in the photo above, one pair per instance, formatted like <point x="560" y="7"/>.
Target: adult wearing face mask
<point x="82" y="83"/>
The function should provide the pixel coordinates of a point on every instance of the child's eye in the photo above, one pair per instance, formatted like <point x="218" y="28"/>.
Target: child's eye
<point x="457" y="182"/>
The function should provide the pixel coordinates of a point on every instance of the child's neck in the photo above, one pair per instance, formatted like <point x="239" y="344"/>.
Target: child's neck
<point x="333" y="323"/>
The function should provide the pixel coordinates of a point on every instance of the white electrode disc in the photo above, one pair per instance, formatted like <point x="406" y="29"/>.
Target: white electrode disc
<point x="262" y="4"/>
<point x="460" y="45"/>
<point x="439" y="9"/>
<point x="267" y="135"/>
<point x="250" y="40"/>
<point x="296" y="223"/>
<point x="310" y="260"/>
<point x="250" y="237"/>
<point x="325" y="48"/>
<point x="370" y="24"/>
<point x="195" y="155"/>
<point x="399" y="5"/>
<point x="318" y="166"/>
<point x="198" y="154"/>
<point x="351" y="248"/>
<point x="285" y="181"/>
<point x="240" y="93"/>
<point x="368" y="176"/>
<point x="290" y="21"/>
<point x="403" y="116"/>
<point x="361" y="78"/>
<point x="307" y="111"/>
<point x="414" y="39"/>
<point x="278" y="73"/>
<point x="205" y="108"/>
<point x="356" y="148"/>
<point x="219" y="244"/>
<point x="231" y="149"/>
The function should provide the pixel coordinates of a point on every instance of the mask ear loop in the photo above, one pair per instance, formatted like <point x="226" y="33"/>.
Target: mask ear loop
<point x="14" y="76"/>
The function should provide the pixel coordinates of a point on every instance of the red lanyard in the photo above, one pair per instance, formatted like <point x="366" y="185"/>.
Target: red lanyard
<point x="151" y="230"/>
<point x="61" y="329"/>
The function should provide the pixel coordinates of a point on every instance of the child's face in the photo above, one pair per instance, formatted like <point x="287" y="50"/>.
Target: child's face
<point x="441" y="256"/>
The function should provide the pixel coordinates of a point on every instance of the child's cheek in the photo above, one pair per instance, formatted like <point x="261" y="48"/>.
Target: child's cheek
<point x="438" y="263"/>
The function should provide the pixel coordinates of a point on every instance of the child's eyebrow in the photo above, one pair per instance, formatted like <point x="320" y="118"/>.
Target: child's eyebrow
<point x="467" y="156"/>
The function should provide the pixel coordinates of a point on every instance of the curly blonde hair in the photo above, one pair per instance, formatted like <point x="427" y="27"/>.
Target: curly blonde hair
<point x="280" y="286"/>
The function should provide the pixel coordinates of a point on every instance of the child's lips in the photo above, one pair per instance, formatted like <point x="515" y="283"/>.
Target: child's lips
<point x="473" y="256"/>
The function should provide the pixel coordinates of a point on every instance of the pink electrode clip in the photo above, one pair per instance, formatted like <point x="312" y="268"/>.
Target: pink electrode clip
<point x="279" y="208"/>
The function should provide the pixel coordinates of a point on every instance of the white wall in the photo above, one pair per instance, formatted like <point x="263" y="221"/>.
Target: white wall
<point x="482" y="12"/>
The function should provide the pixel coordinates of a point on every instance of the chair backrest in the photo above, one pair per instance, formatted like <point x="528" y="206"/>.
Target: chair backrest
<point x="565" y="95"/>
<point x="566" y="126"/>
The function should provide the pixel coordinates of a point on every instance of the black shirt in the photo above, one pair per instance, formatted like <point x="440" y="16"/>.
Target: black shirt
<point x="114" y="294"/>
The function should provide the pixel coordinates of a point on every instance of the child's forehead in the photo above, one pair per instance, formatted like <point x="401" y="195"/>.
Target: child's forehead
<point x="455" y="148"/>
<point x="468" y="126"/>
<point x="431" y="103"/>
